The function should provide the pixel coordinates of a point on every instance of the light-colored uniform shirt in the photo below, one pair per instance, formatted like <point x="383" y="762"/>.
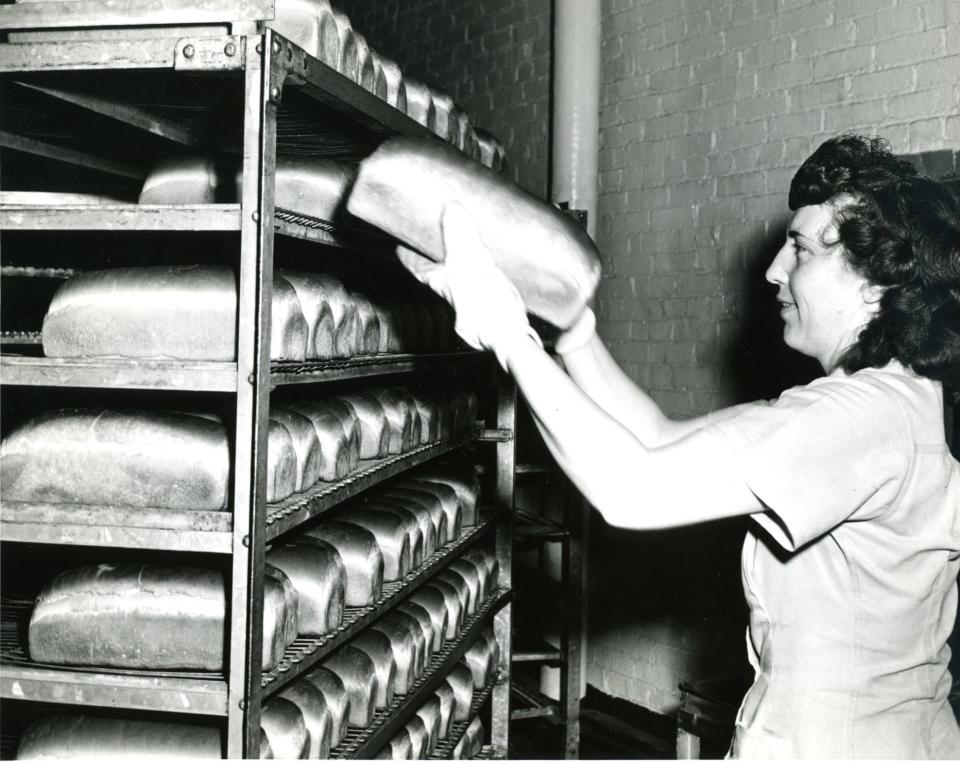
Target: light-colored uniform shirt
<point x="851" y="573"/>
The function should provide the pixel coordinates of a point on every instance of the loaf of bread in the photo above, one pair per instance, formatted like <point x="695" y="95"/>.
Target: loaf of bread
<point x="404" y="186"/>
<point x="307" y="23"/>
<point x="422" y="617"/>
<point x="374" y="431"/>
<point x="319" y="577"/>
<point x="396" y="93"/>
<point x="347" y="417"/>
<point x="361" y="556"/>
<point x="419" y="639"/>
<point x="359" y="676"/>
<point x="430" y="414"/>
<point x="472" y="742"/>
<point x="419" y="738"/>
<point x="335" y="696"/>
<point x="366" y="76"/>
<point x="282" y="468"/>
<point x="95" y="737"/>
<point x="430" y="713"/>
<point x="444" y="696"/>
<point x="163" y="312"/>
<point x="487" y="567"/>
<point x="376" y="645"/>
<point x="305" y="444"/>
<point x="423" y="545"/>
<point x="480" y="660"/>
<point x="391" y="334"/>
<point x="330" y="290"/>
<point x="433" y="602"/>
<point x="285" y="729"/>
<point x="460" y="680"/>
<point x="150" y="617"/>
<point x="462" y="479"/>
<point x="492" y="153"/>
<point x="123" y="458"/>
<point x="404" y="645"/>
<point x="445" y="522"/>
<point x="419" y="102"/>
<point x="459" y="583"/>
<point x="347" y="63"/>
<point x="456" y="615"/>
<point x="471" y="576"/>
<point x="321" y="329"/>
<point x="436" y="495"/>
<point x="403" y="422"/>
<point x="316" y="717"/>
<point x="397" y="748"/>
<point x="391" y="534"/>
<point x="339" y="455"/>
<point x="446" y="125"/>
<point x="368" y="323"/>
<point x="379" y="88"/>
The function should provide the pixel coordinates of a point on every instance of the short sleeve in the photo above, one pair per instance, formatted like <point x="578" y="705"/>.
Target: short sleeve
<point x="821" y="454"/>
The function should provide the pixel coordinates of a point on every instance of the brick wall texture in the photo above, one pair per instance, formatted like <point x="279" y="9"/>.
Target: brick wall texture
<point x="492" y="56"/>
<point x="707" y="109"/>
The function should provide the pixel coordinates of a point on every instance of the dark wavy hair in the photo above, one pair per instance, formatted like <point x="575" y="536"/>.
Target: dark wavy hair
<point x="901" y="231"/>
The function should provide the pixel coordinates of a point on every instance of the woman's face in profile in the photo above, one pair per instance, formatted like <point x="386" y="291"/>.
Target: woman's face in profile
<point x="823" y="303"/>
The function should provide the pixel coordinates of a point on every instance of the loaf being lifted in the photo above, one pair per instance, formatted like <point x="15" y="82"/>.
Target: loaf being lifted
<point x="95" y="737"/>
<point x="150" y="617"/>
<point x="163" y="312"/>
<point x="404" y="186"/>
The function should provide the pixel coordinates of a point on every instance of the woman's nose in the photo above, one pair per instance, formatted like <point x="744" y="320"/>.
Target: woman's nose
<point x="778" y="269"/>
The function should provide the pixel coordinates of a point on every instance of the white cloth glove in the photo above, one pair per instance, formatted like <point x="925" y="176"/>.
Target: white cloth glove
<point x="578" y="335"/>
<point x="490" y="314"/>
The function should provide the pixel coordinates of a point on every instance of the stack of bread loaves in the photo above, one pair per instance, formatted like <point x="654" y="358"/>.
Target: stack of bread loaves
<point x="189" y="313"/>
<point x="327" y="34"/>
<point x="450" y="704"/>
<point x="180" y="461"/>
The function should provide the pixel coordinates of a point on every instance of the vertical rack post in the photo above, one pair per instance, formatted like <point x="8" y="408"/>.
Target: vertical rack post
<point x="502" y="623"/>
<point x="252" y="402"/>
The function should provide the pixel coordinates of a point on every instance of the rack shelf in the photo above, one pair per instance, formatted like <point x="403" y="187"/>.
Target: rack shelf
<point x="193" y="531"/>
<point x="205" y="375"/>
<point x="190" y="692"/>
<point x="120" y="217"/>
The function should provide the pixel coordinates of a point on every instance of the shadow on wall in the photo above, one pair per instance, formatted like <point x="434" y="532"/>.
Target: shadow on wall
<point x="676" y="608"/>
<point x="756" y="363"/>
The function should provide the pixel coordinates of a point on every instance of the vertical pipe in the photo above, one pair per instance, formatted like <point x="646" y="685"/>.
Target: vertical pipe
<point x="576" y="105"/>
<point x="575" y="139"/>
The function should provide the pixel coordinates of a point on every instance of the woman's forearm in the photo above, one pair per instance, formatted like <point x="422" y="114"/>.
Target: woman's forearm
<point x="630" y="484"/>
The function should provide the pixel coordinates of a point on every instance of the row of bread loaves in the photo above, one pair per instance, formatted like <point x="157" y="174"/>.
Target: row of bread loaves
<point x="170" y="460"/>
<point x="451" y="703"/>
<point x="327" y="34"/>
<point x="190" y="313"/>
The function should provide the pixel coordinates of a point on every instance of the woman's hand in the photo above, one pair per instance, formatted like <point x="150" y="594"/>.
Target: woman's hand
<point x="490" y="314"/>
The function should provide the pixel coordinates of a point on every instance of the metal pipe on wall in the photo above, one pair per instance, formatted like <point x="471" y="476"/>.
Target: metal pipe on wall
<point x="575" y="147"/>
<point x="575" y="114"/>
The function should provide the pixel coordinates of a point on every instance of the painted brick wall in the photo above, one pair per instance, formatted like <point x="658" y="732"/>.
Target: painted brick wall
<point x="708" y="108"/>
<point x="492" y="56"/>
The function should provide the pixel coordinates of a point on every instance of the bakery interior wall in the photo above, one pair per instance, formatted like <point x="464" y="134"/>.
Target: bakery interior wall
<point x="707" y="108"/>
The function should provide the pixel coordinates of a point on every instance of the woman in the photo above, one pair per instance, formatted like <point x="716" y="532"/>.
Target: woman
<point x="850" y="566"/>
